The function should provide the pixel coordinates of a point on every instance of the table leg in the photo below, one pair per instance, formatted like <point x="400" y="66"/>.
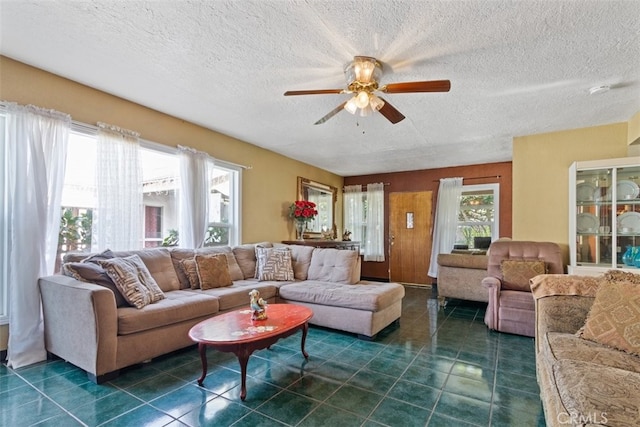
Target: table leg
<point x="202" y="348"/>
<point x="243" y="358"/>
<point x="305" y="328"/>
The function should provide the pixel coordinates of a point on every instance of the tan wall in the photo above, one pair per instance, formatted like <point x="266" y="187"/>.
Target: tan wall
<point x="267" y="189"/>
<point x="541" y="177"/>
<point x="633" y="135"/>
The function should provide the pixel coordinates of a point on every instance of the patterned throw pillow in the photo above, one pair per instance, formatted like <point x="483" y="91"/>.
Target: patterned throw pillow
<point x="90" y="272"/>
<point x="191" y="271"/>
<point x="614" y="319"/>
<point x="213" y="271"/>
<point x="146" y="278"/>
<point x="274" y="264"/>
<point x="133" y="280"/>
<point x="516" y="273"/>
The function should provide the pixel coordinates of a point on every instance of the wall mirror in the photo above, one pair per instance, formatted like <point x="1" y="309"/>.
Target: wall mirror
<point x="325" y="197"/>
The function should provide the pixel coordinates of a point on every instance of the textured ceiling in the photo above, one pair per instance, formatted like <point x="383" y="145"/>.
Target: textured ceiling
<point x="516" y="68"/>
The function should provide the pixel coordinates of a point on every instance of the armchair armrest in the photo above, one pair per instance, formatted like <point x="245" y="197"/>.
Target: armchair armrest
<point x="493" y="285"/>
<point x="80" y="323"/>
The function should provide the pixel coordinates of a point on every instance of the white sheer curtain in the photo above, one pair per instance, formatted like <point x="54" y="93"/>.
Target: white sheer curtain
<point x="35" y="148"/>
<point x="194" y="196"/>
<point x="117" y="220"/>
<point x="374" y="247"/>
<point x="354" y="212"/>
<point x="446" y="220"/>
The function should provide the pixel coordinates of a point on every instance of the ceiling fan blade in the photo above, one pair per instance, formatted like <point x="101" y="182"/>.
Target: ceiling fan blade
<point x="331" y="114"/>
<point x="409" y="87"/>
<point x="314" y="92"/>
<point x="390" y="112"/>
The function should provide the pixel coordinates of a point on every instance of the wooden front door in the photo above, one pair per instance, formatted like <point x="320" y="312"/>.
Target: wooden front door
<point x="410" y="237"/>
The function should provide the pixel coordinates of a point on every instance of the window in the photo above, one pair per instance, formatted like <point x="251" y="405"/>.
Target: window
<point x="478" y="218"/>
<point x="221" y="212"/>
<point x="160" y="187"/>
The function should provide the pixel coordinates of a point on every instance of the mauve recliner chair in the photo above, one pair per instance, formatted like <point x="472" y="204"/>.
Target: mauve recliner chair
<point x="511" y="306"/>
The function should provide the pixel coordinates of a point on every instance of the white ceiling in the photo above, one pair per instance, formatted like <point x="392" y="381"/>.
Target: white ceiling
<point x="516" y="68"/>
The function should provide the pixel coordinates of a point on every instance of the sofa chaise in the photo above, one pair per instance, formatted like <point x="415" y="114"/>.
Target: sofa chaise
<point x="592" y="380"/>
<point x="94" y="328"/>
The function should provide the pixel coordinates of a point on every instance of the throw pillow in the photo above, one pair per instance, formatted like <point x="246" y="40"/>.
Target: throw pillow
<point x="274" y="264"/>
<point x="106" y="254"/>
<point x="133" y="280"/>
<point x="614" y="318"/>
<point x="516" y="273"/>
<point x="213" y="271"/>
<point x="125" y="276"/>
<point x="144" y="275"/>
<point x="93" y="273"/>
<point x="191" y="271"/>
<point x="621" y="276"/>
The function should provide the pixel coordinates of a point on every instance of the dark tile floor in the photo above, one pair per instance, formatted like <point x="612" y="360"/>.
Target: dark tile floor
<point x="439" y="367"/>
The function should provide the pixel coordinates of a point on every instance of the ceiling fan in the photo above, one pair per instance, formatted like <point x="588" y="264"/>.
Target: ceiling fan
<point x="362" y="76"/>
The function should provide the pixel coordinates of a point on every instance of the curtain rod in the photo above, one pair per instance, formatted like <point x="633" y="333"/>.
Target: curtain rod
<point x="476" y="177"/>
<point x="384" y="183"/>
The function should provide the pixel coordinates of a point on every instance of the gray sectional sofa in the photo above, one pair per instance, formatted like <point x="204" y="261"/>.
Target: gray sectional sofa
<point x="87" y="325"/>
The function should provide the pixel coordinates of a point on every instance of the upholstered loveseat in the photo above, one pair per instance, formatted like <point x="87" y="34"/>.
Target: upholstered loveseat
<point x="583" y="325"/>
<point x="460" y="276"/>
<point x="94" y="328"/>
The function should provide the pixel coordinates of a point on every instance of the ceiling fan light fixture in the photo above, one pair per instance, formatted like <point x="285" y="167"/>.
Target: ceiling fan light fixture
<point x="375" y="102"/>
<point x="362" y="99"/>
<point x="351" y="106"/>
<point x="366" y="111"/>
<point x="363" y="69"/>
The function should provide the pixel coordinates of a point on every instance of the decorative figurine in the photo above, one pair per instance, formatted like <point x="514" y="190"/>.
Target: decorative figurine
<point x="346" y="236"/>
<point x="258" y="306"/>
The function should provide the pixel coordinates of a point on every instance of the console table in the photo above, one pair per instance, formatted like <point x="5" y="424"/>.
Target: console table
<point x="317" y="243"/>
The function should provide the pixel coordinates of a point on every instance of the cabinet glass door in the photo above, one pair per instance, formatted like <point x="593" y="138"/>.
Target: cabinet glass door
<point x="627" y="210"/>
<point x="594" y="217"/>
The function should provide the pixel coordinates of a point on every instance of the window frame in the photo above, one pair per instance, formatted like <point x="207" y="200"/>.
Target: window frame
<point x="495" y="189"/>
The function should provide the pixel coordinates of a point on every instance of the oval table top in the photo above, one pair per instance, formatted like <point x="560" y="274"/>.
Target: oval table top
<point x="237" y="327"/>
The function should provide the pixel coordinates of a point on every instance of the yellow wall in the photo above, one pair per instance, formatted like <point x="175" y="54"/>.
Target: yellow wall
<point x="541" y="177"/>
<point x="267" y="189"/>
<point x="633" y="136"/>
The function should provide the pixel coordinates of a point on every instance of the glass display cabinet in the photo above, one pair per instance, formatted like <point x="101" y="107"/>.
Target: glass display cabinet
<point x="604" y="215"/>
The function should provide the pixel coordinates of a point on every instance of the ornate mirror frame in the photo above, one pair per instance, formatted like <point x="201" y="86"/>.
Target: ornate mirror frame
<point x="306" y="190"/>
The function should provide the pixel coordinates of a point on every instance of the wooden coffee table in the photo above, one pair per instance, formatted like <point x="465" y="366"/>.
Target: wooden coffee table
<point x="235" y="332"/>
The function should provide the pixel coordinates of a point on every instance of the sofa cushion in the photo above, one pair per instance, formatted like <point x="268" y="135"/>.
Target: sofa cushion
<point x="300" y="259"/>
<point x="563" y="345"/>
<point x="516" y="273"/>
<point x="133" y="279"/>
<point x="614" y="319"/>
<point x="93" y="273"/>
<point x="274" y="264"/>
<point x="608" y="396"/>
<point x="178" y="306"/>
<point x="334" y="265"/>
<point x="246" y="257"/>
<point x="213" y="271"/>
<point x="370" y="296"/>
<point x="237" y="295"/>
